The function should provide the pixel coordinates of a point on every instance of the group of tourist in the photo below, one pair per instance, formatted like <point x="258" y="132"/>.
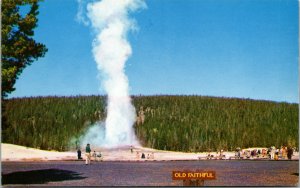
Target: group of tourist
<point x="143" y="155"/>
<point x="259" y="153"/>
<point x="272" y="153"/>
<point x="284" y="152"/>
<point x="219" y="155"/>
<point x="96" y="155"/>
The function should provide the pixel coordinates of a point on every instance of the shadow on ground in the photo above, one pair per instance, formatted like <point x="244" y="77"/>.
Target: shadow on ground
<point x="39" y="176"/>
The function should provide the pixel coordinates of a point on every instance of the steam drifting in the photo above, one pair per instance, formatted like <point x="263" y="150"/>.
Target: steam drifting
<point x="111" y="49"/>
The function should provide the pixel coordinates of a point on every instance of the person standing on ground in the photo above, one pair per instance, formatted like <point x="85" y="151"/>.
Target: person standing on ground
<point x="273" y="150"/>
<point x="79" y="153"/>
<point x="152" y="156"/>
<point x="131" y="149"/>
<point x="289" y="153"/>
<point x="88" y="154"/>
<point x="284" y="152"/>
<point x="95" y="155"/>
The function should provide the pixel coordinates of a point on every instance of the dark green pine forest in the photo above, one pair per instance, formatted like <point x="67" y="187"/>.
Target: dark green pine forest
<point x="178" y="123"/>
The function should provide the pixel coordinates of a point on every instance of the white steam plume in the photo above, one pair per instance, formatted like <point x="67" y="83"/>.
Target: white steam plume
<point x="110" y="19"/>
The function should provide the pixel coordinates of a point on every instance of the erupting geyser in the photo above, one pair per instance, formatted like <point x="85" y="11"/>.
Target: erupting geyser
<point x="111" y="49"/>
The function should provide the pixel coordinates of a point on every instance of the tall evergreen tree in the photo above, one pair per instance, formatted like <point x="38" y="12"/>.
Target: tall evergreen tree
<point x="19" y="49"/>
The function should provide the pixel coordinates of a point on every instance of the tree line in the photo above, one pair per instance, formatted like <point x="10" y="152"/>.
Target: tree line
<point x="178" y="123"/>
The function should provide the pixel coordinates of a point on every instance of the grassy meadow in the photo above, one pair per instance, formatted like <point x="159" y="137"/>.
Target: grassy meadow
<point x="178" y="123"/>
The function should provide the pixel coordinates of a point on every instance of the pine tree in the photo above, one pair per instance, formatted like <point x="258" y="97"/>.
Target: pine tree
<point x="19" y="49"/>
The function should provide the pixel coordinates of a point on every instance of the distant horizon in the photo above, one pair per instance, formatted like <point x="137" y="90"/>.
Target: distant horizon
<point x="150" y="95"/>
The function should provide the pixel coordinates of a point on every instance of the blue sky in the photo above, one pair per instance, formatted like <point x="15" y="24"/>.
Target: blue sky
<point x="226" y="48"/>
